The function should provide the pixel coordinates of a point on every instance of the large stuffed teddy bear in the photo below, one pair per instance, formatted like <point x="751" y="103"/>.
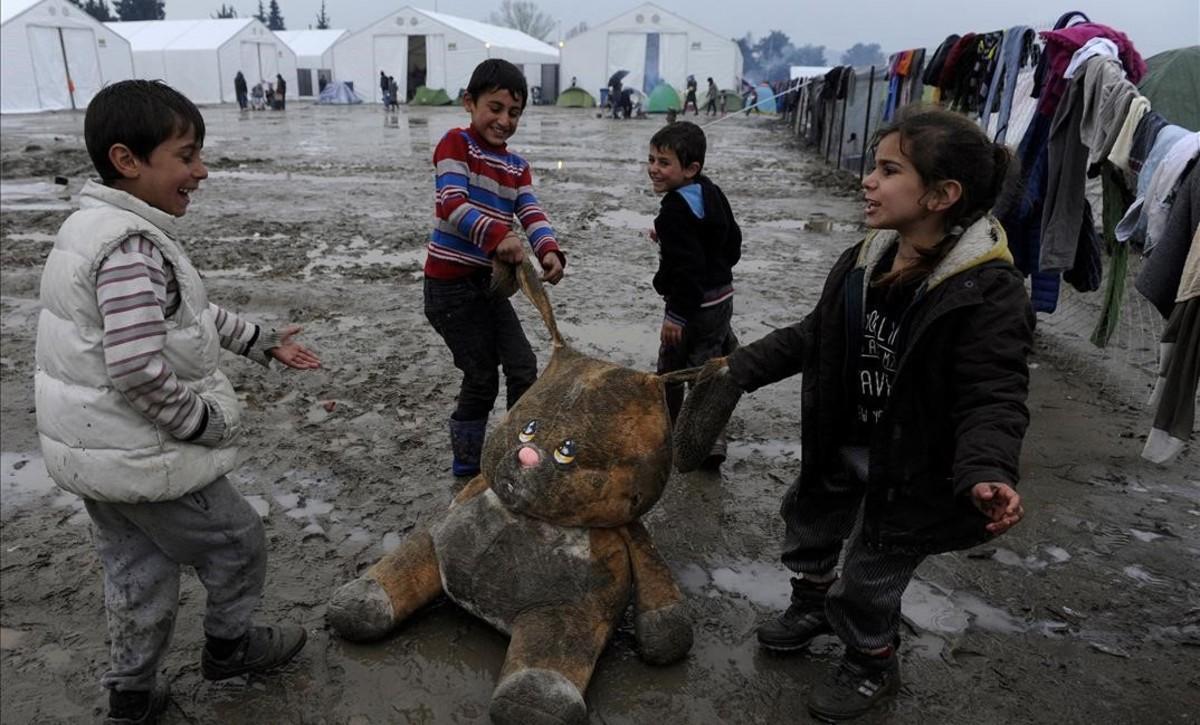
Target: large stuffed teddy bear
<point x="545" y="543"/>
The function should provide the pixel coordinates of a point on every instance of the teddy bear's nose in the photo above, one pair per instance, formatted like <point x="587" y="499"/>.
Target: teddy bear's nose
<point x="528" y="457"/>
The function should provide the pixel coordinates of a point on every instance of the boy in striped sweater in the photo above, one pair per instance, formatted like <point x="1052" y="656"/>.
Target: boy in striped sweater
<point x="480" y="187"/>
<point x="134" y="414"/>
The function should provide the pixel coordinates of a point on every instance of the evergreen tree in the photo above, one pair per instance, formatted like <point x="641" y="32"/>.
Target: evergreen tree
<point x="226" y="12"/>
<point x="140" y="9"/>
<point x="861" y="54"/>
<point x="274" y="17"/>
<point x="261" y="15"/>
<point x="322" y="18"/>
<point x="98" y="9"/>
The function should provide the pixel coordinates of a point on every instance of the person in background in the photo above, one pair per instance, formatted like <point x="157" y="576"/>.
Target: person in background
<point x="690" y="97"/>
<point x="480" y="186"/>
<point x="134" y="414"/>
<point x="699" y="242"/>
<point x="393" y="94"/>
<point x="280" y="92"/>
<point x="239" y="89"/>
<point x="383" y="87"/>
<point x="710" y="107"/>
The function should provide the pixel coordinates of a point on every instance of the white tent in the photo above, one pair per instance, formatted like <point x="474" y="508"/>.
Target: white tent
<point x="199" y="58"/>
<point x="423" y="48"/>
<point x="314" y="57"/>
<point x="55" y="56"/>
<point x="653" y="45"/>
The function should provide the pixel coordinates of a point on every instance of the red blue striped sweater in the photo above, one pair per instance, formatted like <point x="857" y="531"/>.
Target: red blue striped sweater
<point x="479" y="189"/>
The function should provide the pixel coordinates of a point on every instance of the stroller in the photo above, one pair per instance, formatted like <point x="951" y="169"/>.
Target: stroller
<point x="257" y="98"/>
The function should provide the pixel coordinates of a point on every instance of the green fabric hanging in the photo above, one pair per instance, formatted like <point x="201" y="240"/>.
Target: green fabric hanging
<point x="1115" y="199"/>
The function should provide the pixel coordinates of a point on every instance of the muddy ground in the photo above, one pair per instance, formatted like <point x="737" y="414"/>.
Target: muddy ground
<point x="1087" y="612"/>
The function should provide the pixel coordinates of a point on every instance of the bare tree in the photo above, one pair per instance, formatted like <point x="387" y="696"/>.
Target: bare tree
<point x="524" y="16"/>
<point x="576" y="30"/>
<point x="863" y="54"/>
<point x="225" y="12"/>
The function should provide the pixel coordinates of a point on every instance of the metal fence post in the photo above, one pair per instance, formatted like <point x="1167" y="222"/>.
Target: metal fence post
<point x="862" y="161"/>
<point x="842" y="127"/>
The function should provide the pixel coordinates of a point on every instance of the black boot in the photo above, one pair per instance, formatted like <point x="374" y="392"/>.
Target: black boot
<point x="137" y="707"/>
<point x="466" y="441"/>
<point x="860" y="683"/>
<point x="804" y="619"/>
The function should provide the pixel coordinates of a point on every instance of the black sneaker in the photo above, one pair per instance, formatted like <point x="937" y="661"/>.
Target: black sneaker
<point x="860" y="683"/>
<point x="137" y="708"/>
<point x="260" y="650"/>
<point x="803" y="620"/>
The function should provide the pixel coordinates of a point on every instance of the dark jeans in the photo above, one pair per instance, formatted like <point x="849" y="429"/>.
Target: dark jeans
<point x="483" y="334"/>
<point x="241" y="100"/>
<point x="706" y="335"/>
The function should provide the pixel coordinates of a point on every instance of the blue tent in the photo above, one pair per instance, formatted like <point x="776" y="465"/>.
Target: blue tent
<point x="339" y="93"/>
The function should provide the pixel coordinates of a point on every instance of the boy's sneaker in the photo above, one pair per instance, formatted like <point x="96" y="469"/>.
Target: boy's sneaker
<point x="261" y="649"/>
<point x="138" y="707"/>
<point x="804" y="619"/>
<point x="860" y="683"/>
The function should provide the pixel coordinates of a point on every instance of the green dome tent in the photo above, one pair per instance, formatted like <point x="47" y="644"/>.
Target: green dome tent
<point x="429" y="97"/>
<point x="1172" y="78"/>
<point x="576" y="98"/>
<point x="733" y="101"/>
<point x="663" y="98"/>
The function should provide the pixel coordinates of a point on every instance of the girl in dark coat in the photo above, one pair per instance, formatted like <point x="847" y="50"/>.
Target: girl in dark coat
<point x="915" y="374"/>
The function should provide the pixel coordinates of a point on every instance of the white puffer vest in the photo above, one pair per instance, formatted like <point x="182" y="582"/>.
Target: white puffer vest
<point x="94" y="442"/>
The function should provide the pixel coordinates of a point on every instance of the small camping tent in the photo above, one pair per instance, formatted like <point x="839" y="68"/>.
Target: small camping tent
<point x="663" y="98"/>
<point x="423" y="48"/>
<point x="199" y="58"/>
<point x="337" y="93"/>
<point x="54" y="56"/>
<point x="430" y="97"/>
<point x="314" y="57"/>
<point x="576" y="98"/>
<point x="654" y="45"/>
<point x="1172" y="84"/>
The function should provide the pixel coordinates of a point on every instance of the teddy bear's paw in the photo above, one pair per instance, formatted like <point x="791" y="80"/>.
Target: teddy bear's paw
<point x="665" y="635"/>
<point x="538" y="697"/>
<point x="360" y="610"/>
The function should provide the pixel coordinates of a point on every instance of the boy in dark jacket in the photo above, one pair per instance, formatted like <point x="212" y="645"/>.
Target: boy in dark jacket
<point x="699" y="242"/>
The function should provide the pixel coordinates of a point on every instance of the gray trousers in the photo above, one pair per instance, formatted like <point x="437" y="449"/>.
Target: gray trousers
<point x="142" y="546"/>
<point x="863" y="605"/>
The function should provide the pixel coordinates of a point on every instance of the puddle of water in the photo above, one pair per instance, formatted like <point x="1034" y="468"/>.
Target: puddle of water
<point x="261" y="506"/>
<point x="296" y="176"/>
<point x="1142" y="576"/>
<point x="358" y="253"/>
<point x="298" y="506"/>
<point x="761" y="583"/>
<point x="937" y="610"/>
<point x="32" y="237"/>
<point x="812" y="224"/>
<point x="1012" y="558"/>
<point x="1145" y="535"/>
<point x="764" y="449"/>
<point x="1057" y="554"/>
<point x="626" y="219"/>
<point x="23" y="480"/>
<point x="34" y="196"/>
<point x="390" y="541"/>
<point x="10" y="639"/>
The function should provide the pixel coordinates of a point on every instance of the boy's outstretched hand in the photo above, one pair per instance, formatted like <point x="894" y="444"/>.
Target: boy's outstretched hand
<point x="552" y="268"/>
<point x="293" y="354"/>
<point x="1000" y="502"/>
<point x="671" y="333"/>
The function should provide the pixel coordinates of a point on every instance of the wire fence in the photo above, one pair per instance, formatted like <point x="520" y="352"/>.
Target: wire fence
<point x="839" y="127"/>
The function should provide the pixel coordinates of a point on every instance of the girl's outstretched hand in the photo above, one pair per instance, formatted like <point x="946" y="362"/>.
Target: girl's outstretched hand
<point x="293" y="354"/>
<point x="1000" y="502"/>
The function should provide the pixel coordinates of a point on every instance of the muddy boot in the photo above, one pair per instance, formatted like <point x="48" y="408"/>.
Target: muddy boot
<point x="804" y="619"/>
<point x="466" y="441"/>
<point x="137" y="707"/>
<point x="860" y="683"/>
<point x="261" y="649"/>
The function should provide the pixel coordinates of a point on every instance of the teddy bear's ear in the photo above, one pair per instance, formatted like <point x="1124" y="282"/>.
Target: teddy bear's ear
<point x="705" y="413"/>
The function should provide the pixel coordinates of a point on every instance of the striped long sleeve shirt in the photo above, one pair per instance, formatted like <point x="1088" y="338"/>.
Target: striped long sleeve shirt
<point x="479" y="189"/>
<point x="137" y="291"/>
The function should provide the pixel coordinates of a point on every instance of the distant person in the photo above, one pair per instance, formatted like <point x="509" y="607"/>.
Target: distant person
<point x="710" y="107"/>
<point x="480" y="187"/>
<point x="915" y="372"/>
<point x="393" y="94"/>
<point x="257" y="97"/>
<point x="269" y="91"/>
<point x="614" y="96"/>
<point x="383" y="87"/>
<point x="690" y="97"/>
<point x="752" y="101"/>
<point x="699" y="242"/>
<point x="280" y="92"/>
<point x="626" y="103"/>
<point x="239" y="89"/>
<point x="134" y="414"/>
<point x="572" y="81"/>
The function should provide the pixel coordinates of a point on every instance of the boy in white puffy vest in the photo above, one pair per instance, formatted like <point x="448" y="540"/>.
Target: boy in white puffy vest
<point x="133" y="413"/>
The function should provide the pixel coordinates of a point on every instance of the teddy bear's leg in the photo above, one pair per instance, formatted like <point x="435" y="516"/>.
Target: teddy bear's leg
<point x="554" y="649"/>
<point x="662" y="625"/>
<point x="396" y="586"/>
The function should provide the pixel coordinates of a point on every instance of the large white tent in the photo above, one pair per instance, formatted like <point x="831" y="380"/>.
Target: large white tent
<point x="423" y="48"/>
<point x="314" y="57"/>
<point x="653" y="45"/>
<point x="55" y="56"/>
<point x="199" y="58"/>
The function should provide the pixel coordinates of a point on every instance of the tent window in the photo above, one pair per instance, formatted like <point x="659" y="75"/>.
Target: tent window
<point x="102" y="42"/>
<point x="696" y="46"/>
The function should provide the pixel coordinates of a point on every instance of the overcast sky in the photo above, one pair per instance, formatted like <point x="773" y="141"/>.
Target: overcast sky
<point x="1153" y="25"/>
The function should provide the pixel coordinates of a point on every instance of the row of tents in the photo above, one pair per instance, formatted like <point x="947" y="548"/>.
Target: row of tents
<point x="55" y="56"/>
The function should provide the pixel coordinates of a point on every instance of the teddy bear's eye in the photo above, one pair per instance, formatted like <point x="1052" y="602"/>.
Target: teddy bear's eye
<point x="528" y="432"/>
<point x="565" y="453"/>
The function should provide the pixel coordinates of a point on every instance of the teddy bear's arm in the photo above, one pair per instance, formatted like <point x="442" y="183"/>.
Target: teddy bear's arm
<point x="663" y="628"/>
<point x="401" y="582"/>
<point x="476" y="486"/>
